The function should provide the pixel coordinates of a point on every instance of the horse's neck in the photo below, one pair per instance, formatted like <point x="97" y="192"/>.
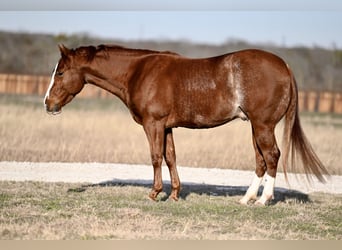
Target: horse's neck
<point x="111" y="75"/>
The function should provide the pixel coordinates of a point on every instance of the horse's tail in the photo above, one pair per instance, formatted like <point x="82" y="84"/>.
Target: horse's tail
<point x="296" y="143"/>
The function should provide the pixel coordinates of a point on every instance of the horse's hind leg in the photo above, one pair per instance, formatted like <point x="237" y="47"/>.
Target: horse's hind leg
<point x="260" y="170"/>
<point x="266" y="145"/>
<point x="170" y="158"/>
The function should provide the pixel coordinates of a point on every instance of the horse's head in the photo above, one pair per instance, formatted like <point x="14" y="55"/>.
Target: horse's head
<point x="66" y="82"/>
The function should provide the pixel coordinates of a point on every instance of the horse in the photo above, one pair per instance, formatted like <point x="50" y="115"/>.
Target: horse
<point x="164" y="90"/>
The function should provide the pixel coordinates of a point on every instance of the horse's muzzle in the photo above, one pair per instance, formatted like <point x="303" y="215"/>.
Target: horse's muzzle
<point x="55" y="110"/>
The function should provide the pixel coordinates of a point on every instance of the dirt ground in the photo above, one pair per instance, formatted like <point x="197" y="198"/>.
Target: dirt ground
<point x="96" y="173"/>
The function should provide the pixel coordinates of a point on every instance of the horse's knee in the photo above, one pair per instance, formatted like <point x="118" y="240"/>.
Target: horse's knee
<point x="156" y="160"/>
<point x="170" y="161"/>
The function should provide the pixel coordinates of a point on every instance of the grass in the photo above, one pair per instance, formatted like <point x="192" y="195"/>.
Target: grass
<point x="34" y="210"/>
<point x="103" y="131"/>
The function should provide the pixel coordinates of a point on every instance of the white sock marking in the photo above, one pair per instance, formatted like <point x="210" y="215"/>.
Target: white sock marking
<point x="268" y="192"/>
<point x="52" y="81"/>
<point x="252" y="190"/>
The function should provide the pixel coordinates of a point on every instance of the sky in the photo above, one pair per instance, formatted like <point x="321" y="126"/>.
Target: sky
<point x="309" y="25"/>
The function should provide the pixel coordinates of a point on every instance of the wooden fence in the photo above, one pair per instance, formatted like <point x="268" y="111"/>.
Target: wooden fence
<point x="38" y="85"/>
<point x="311" y="101"/>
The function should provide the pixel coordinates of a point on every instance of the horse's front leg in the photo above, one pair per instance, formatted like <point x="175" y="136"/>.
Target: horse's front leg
<point x="170" y="158"/>
<point x="155" y="132"/>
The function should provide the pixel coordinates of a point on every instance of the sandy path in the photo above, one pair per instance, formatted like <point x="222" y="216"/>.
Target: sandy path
<point x="99" y="172"/>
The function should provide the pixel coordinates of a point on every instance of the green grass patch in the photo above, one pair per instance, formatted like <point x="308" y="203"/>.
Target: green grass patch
<point x="33" y="210"/>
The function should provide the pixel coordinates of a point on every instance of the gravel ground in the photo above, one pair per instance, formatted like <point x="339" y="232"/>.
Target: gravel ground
<point x="141" y="174"/>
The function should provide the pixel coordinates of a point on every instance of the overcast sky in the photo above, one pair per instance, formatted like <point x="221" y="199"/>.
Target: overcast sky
<point x="308" y="23"/>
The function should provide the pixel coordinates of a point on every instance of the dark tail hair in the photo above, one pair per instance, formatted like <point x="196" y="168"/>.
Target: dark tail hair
<point x="295" y="141"/>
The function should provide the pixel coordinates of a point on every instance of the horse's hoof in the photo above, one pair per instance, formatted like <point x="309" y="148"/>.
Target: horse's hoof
<point x="173" y="198"/>
<point x="152" y="197"/>
<point x="264" y="200"/>
<point x="243" y="202"/>
<point x="246" y="199"/>
<point x="260" y="203"/>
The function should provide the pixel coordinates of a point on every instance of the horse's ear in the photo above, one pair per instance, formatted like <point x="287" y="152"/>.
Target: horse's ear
<point x="64" y="50"/>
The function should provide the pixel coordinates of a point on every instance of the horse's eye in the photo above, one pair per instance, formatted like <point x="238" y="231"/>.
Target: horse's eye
<point x="59" y="73"/>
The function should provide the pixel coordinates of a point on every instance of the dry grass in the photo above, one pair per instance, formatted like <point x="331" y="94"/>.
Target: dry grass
<point x="33" y="210"/>
<point x="103" y="131"/>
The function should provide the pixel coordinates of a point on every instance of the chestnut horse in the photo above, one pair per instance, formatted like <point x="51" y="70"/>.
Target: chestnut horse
<point x="164" y="90"/>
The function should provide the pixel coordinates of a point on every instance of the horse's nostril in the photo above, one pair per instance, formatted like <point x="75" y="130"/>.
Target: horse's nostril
<point x="55" y="108"/>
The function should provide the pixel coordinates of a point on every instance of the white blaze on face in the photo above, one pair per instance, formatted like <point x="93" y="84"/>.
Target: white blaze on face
<point x="52" y="81"/>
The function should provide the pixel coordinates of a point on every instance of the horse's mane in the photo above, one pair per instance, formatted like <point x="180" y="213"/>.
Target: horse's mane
<point x="89" y="52"/>
<point x="119" y="48"/>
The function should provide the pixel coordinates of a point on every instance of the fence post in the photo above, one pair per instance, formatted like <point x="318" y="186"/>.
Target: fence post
<point x="325" y="102"/>
<point x="312" y="102"/>
<point x="338" y="103"/>
<point x="301" y="101"/>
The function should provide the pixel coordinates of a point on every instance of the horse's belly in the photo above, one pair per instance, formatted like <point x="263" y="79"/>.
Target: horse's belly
<point x="204" y="122"/>
<point x="204" y="108"/>
<point x="196" y="119"/>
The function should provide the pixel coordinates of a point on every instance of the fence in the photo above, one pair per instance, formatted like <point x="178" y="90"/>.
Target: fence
<point x="38" y="85"/>
<point x="312" y="101"/>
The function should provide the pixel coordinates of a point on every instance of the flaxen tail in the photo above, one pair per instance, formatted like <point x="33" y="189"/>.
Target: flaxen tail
<point x="296" y="143"/>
